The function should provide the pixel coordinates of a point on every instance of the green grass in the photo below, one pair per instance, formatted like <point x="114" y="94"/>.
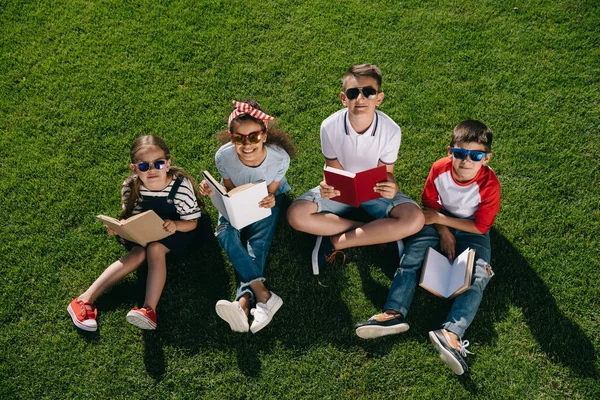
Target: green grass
<point x="82" y="79"/>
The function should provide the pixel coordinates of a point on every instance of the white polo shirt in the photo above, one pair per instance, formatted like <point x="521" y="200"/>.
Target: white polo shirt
<point x="359" y="152"/>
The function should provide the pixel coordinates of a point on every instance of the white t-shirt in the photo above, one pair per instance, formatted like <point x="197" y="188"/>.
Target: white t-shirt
<point x="273" y="168"/>
<point x="355" y="152"/>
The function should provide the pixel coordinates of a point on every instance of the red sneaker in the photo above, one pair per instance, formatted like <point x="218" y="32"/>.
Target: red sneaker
<point x="83" y="315"/>
<point x="143" y="318"/>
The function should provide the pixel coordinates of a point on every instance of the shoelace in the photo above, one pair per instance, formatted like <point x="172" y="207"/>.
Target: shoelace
<point x="331" y="258"/>
<point x="87" y="311"/>
<point x="259" y="305"/>
<point x="463" y="348"/>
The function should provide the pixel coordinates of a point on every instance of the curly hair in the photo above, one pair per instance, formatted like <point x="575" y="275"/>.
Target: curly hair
<point x="275" y="135"/>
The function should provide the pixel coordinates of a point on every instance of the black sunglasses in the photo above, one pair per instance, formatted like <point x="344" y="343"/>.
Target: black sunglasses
<point x="461" y="154"/>
<point x="367" y="91"/>
<point x="145" y="166"/>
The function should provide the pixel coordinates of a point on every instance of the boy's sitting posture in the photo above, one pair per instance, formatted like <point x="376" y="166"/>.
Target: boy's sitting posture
<point x="355" y="139"/>
<point x="461" y="199"/>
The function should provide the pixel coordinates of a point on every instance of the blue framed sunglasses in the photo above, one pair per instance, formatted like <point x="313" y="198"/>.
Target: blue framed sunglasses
<point x="474" y="155"/>
<point x="145" y="166"/>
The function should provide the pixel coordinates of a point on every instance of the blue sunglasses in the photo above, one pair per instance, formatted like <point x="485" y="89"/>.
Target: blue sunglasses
<point x="461" y="154"/>
<point x="145" y="166"/>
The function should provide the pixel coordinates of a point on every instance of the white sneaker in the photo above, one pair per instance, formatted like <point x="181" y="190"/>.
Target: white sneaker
<point x="263" y="313"/>
<point x="232" y="313"/>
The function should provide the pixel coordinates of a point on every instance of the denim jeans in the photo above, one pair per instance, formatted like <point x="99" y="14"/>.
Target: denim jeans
<point x="466" y="304"/>
<point x="247" y="248"/>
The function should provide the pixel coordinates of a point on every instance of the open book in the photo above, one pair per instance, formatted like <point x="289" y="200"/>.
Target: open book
<point x="142" y="228"/>
<point x="355" y="188"/>
<point x="445" y="279"/>
<point x="240" y="205"/>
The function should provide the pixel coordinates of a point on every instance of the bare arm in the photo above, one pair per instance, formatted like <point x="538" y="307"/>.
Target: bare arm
<point x="269" y="201"/>
<point x="328" y="191"/>
<point x="390" y="188"/>
<point x="434" y="217"/>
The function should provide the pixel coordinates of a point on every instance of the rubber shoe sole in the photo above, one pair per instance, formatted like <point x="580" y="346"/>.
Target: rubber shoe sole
<point x="376" y="331"/>
<point x="141" y="321"/>
<point x="78" y="323"/>
<point x="447" y="355"/>
<point x="231" y="313"/>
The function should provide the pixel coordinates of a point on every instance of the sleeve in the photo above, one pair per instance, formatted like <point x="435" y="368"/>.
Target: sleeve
<point x="389" y="155"/>
<point x="489" y="206"/>
<point x="430" y="198"/>
<point x="221" y="163"/>
<point x="283" y="166"/>
<point x="186" y="202"/>
<point x="326" y="147"/>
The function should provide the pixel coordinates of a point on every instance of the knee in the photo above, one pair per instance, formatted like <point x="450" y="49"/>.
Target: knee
<point x="137" y="255"/>
<point x="155" y="249"/>
<point x="410" y="218"/>
<point x="297" y="214"/>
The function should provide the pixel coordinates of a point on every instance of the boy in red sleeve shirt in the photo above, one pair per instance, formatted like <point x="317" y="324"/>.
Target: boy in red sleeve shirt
<point x="461" y="199"/>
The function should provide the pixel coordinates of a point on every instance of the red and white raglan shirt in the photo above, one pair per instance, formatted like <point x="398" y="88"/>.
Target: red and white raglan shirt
<point x="478" y="199"/>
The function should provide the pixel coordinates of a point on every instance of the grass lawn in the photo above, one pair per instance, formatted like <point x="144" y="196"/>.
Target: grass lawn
<point x="81" y="79"/>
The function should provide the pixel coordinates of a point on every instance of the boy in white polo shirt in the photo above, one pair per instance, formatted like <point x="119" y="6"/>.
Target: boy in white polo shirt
<point x="357" y="138"/>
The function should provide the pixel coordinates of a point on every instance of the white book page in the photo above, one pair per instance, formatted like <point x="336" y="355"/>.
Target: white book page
<point x="437" y="272"/>
<point x="217" y="199"/>
<point x="340" y="172"/>
<point x="242" y="207"/>
<point x="459" y="270"/>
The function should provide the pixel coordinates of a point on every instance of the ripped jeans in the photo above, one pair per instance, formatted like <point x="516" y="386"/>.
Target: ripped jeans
<point x="247" y="248"/>
<point x="466" y="304"/>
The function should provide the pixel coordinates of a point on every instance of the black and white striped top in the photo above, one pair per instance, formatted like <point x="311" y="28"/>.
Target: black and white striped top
<point x="185" y="200"/>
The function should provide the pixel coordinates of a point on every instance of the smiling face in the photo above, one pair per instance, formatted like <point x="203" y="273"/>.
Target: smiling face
<point x="467" y="169"/>
<point x="250" y="154"/>
<point x="153" y="179"/>
<point x="361" y="106"/>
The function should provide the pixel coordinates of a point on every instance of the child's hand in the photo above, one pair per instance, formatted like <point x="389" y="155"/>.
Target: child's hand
<point x="327" y="191"/>
<point x="204" y="189"/>
<point x="431" y="216"/>
<point x="447" y="243"/>
<point x="268" y="202"/>
<point x="110" y="231"/>
<point x="387" y="189"/>
<point x="170" y="226"/>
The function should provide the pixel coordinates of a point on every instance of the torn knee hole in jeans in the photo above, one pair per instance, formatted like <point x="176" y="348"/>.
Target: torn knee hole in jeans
<point x="220" y="229"/>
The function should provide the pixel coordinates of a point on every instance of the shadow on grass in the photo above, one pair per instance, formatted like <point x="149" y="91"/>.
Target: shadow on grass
<point x="518" y="284"/>
<point x="515" y="283"/>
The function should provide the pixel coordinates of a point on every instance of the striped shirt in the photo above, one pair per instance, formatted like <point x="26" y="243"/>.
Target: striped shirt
<point x="185" y="200"/>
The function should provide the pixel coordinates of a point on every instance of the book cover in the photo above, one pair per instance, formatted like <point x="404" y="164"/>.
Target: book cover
<point x="355" y="188"/>
<point x="445" y="279"/>
<point x="142" y="228"/>
<point x="239" y="205"/>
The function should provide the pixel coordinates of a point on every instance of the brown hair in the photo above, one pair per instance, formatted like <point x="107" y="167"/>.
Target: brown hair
<point x="363" y="70"/>
<point x="275" y="135"/>
<point x="470" y="131"/>
<point x="130" y="190"/>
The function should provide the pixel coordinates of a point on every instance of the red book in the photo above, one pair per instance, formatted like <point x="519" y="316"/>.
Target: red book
<point x="355" y="188"/>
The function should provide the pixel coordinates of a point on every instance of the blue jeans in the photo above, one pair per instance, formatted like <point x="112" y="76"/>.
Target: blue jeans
<point x="466" y="304"/>
<point x="247" y="248"/>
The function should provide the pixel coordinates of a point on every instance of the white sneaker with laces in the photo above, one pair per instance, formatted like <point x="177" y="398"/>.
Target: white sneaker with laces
<point x="263" y="313"/>
<point x="232" y="313"/>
